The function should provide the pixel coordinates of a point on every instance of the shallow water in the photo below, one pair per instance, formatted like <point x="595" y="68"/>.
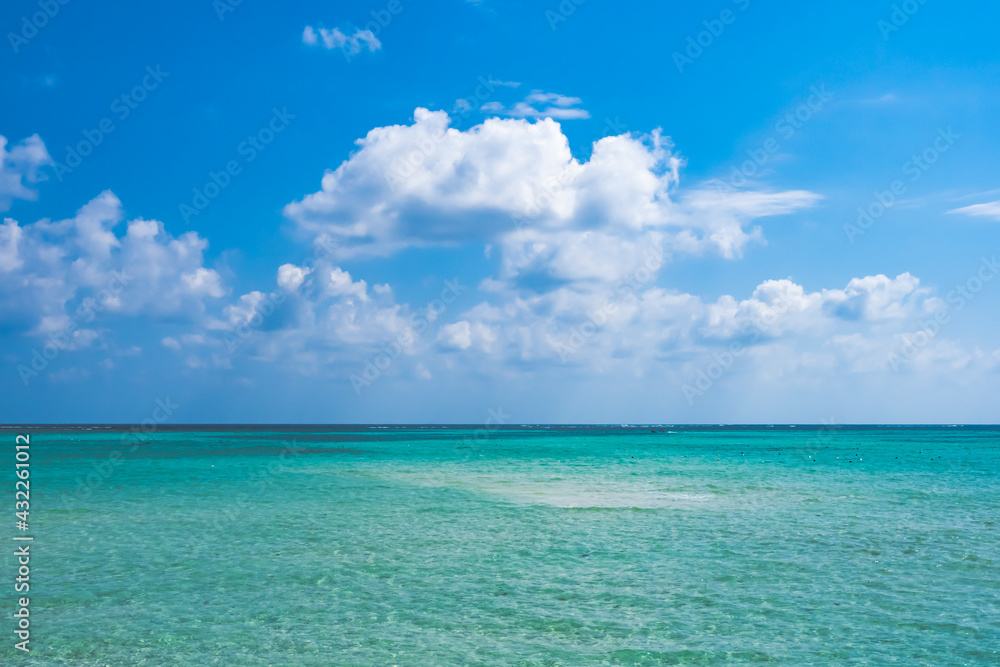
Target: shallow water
<point x="544" y="546"/>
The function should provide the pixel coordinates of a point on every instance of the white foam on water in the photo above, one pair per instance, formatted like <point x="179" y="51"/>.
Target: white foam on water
<point x="609" y="499"/>
<point x="578" y="493"/>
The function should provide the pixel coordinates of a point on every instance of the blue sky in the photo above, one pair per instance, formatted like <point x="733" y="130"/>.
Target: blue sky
<point x="422" y="212"/>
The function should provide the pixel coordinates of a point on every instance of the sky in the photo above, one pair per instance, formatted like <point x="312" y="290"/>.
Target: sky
<point x="488" y="212"/>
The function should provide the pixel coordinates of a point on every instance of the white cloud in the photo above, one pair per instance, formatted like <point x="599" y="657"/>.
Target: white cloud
<point x="291" y="277"/>
<point x="327" y="320"/>
<point x="509" y="84"/>
<point x="340" y="284"/>
<point x="651" y="329"/>
<point x="987" y="210"/>
<point x="239" y="313"/>
<point x="515" y="184"/>
<point x="570" y="234"/>
<point x="463" y="335"/>
<point x="539" y="104"/>
<point x="457" y="335"/>
<point x="719" y="220"/>
<point x="876" y="298"/>
<point x="579" y="245"/>
<point x="10" y="240"/>
<point x="19" y="167"/>
<point x="352" y="44"/>
<point x="52" y="273"/>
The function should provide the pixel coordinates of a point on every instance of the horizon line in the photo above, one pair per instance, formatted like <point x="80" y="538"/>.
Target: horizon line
<point x="42" y="425"/>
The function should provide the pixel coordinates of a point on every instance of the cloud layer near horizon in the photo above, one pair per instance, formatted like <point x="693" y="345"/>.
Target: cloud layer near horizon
<point x="579" y="248"/>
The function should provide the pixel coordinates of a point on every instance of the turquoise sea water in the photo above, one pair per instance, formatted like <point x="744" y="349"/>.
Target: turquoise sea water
<point x="541" y="546"/>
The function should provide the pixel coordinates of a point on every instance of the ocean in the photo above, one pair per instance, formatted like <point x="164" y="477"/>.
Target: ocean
<point x="561" y="545"/>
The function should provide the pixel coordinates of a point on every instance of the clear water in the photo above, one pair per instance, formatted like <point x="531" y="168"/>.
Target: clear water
<point x="559" y="546"/>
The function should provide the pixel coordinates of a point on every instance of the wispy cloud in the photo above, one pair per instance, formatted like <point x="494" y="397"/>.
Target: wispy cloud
<point x="19" y="167"/>
<point x="509" y="84"/>
<point x="987" y="210"/>
<point x="540" y="104"/>
<point x="335" y="39"/>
